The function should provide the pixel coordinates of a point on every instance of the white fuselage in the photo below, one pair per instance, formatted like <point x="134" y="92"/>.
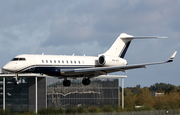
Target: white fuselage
<point x="53" y="64"/>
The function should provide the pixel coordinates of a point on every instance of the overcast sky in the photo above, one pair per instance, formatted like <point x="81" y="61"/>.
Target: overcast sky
<point x="90" y="27"/>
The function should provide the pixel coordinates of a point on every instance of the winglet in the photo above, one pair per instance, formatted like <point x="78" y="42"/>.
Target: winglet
<point x="172" y="57"/>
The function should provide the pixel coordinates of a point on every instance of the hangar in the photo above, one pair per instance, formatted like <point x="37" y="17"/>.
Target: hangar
<point x="36" y="91"/>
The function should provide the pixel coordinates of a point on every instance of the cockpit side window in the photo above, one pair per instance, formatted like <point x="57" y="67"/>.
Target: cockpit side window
<point x="18" y="59"/>
<point x="22" y="59"/>
<point x="15" y="59"/>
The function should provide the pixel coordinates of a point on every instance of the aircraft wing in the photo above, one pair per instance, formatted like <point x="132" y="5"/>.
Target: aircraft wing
<point x="105" y="70"/>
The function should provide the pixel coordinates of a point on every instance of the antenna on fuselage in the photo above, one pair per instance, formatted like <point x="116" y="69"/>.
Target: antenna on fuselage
<point x="43" y="53"/>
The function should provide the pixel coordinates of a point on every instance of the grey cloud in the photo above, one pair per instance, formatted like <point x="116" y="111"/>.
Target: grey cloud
<point x="88" y="27"/>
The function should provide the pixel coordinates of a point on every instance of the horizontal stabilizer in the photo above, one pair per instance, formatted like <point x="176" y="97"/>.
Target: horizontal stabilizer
<point x="126" y="36"/>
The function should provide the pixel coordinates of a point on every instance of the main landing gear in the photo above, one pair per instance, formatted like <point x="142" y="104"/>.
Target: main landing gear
<point x="86" y="81"/>
<point x="67" y="83"/>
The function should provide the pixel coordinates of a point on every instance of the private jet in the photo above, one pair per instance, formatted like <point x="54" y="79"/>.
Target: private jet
<point x="85" y="67"/>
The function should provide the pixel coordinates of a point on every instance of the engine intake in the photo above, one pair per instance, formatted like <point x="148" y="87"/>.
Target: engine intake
<point x="101" y="60"/>
<point x="111" y="61"/>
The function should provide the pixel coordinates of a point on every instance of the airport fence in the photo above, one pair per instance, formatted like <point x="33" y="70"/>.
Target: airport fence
<point x="153" y="112"/>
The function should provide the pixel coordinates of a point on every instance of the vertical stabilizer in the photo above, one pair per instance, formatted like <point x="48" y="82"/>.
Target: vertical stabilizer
<point x="120" y="46"/>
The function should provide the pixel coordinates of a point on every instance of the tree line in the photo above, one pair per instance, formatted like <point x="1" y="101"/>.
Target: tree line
<point x="143" y="97"/>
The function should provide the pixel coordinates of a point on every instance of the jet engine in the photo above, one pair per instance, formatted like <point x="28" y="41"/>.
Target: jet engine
<point x="111" y="61"/>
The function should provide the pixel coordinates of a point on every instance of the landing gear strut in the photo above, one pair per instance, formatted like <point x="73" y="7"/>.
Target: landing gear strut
<point x="16" y="79"/>
<point x="66" y="82"/>
<point x="86" y="81"/>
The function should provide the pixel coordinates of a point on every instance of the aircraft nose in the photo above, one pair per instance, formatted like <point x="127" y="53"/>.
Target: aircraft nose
<point x="8" y="67"/>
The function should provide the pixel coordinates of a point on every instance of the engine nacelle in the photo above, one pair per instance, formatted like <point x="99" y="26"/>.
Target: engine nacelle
<point x="111" y="61"/>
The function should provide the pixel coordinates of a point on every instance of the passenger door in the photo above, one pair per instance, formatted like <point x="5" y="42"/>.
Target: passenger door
<point x="33" y="63"/>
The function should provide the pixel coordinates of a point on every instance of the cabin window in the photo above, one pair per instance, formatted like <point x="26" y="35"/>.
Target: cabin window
<point x="54" y="61"/>
<point x="50" y="61"/>
<point x="67" y="61"/>
<point x="42" y="61"/>
<point x="75" y="62"/>
<point x="62" y="61"/>
<point x="58" y="61"/>
<point x="79" y="62"/>
<point x="46" y="61"/>
<point x="71" y="62"/>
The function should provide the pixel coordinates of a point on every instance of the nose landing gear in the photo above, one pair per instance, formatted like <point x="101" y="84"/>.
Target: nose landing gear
<point x="16" y="79"/>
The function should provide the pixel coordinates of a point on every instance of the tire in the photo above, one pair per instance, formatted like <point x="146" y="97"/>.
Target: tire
<point x="86" y="81"/>
<point x="66" y="83"/>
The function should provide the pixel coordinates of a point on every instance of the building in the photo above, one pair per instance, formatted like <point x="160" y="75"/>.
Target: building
<point x="158" y="94"/>
<point x="22" y="96"/>
<point x="36" y="91"/>
<point x="102" y="91"/>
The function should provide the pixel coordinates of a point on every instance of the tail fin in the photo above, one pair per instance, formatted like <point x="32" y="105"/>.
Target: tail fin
<point x="120" y="46"/>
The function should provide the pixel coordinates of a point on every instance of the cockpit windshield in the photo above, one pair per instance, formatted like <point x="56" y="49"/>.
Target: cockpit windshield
<point x="18" y="59"/>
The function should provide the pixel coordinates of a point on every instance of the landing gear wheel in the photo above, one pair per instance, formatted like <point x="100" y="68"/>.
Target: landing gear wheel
<point x="16" y="82"/>
<point x="66" y="83"/>
<point x="86" y="81"/>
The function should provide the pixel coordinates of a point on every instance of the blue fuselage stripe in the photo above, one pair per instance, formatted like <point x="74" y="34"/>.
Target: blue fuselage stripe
<point x="50" y="68"/>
